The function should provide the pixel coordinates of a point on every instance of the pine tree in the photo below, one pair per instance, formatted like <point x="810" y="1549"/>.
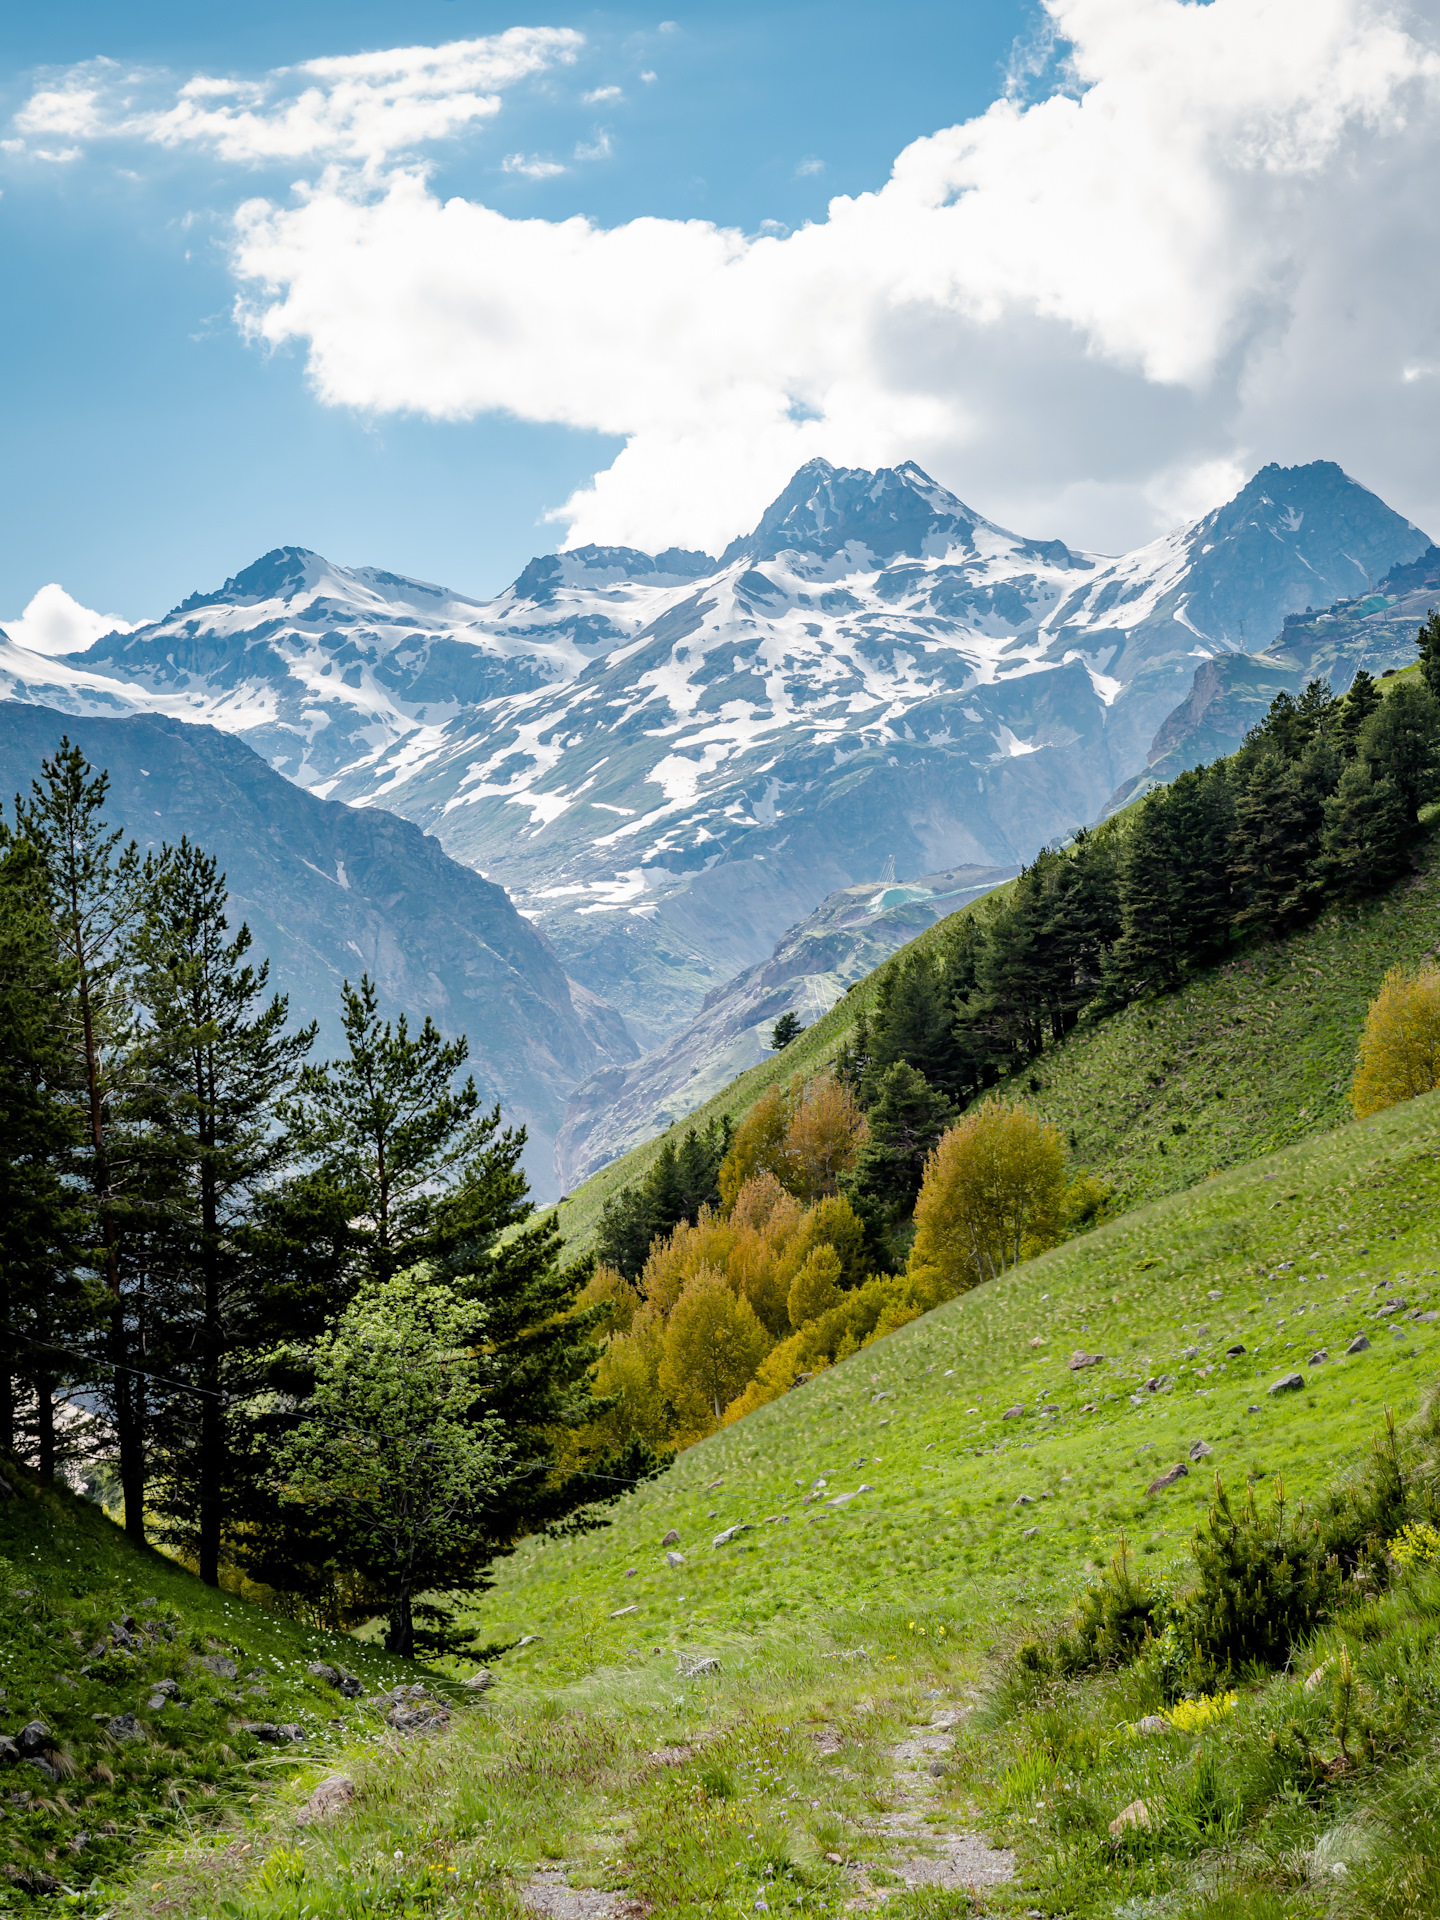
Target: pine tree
<point x="1276" y="846"/>
<point x="787" y="1028"/>
<point x="43" y="1299"/>
<point x="1428" y="642"/>
<point x="387" y="1125"/>
<point x="1401" y="742"/>
<point x="906" y="1118"/>
<point x="1356" y="708"/>
<point x="1364" y="842"/>
<point x="97" y="889"/>
<point x="221" y="1064"/>
<point x="1150" y="954"/>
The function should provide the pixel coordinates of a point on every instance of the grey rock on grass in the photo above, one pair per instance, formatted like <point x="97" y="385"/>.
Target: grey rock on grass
<point x="1287" y="1383"/>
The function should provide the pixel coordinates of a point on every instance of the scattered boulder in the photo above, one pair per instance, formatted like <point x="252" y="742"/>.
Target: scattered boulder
<point x="672" y="1539"/>
<point x="1200" y="1451"/>
<point x="1358" y="1345"/>
<point x="9" y="1752"/>
<point x="1189" y="1353"/>
<point x="1318" y="1358"/>
<point x="327" y="1799"/>
<point x="937" y="1769"/>
<point x="674" y="1559"/>
<point x="1137" y="1814"/>
<point x="1177" y="1472"/>
<point x="1023" y="1501"/>
<point x="724" y="1539"/>
<point x="124" y="1727"/>
<point x="1287" y="1383"/>
<point x="344" y="1683"/>
<point x="414" y="1710"/>
<point x="1079" y="1358"/>
<point x="1426" y="1319"/>
<point x="220" y="1664"/>
<point x="1012" y="1413"/>
<point x="34" y="1738"/>
<point x="269" y="1731"/>
<point x="1234" y="1353"/>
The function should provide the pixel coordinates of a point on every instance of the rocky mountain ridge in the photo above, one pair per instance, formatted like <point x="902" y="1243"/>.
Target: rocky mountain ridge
<point x="670" y="760"/>
<point x="330" y="891"/>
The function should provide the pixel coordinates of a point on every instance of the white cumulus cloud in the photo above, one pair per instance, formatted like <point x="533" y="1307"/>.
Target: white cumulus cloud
<point x="53" y="623"/>
<point x="359" y="108"/>
<point x="1211" y="244"/>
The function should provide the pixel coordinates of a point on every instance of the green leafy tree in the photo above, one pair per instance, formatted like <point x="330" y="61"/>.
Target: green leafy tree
<point x="392" y="1449"/>
<point x="221" y="1064"/>
<point x="786" y="1029"/>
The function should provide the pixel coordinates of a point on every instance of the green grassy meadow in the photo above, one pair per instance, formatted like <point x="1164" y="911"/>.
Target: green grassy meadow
<point x="603" y="1759"/>
<point x="68" y="1580"/>
<point x="1284" y="1257"/>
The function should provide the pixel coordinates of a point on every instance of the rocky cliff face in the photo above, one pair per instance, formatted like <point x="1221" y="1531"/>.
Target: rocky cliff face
<point x="1232" y="692"/>
<point x="330" y="891"/>
<point x="669" y="760"/>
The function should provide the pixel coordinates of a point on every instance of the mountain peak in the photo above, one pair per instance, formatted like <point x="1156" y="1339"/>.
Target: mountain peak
<point x="891" y="512"/>
<point x="277" y="575"/>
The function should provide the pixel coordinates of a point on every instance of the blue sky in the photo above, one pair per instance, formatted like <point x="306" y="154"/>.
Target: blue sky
<point x="434" y="286"/>
<point x="147" y="449"/>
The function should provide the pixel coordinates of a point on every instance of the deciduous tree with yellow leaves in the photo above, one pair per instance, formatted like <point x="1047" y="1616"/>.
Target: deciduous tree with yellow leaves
<point x="1400" y="1045"/>
<point x="994" y="1192"/>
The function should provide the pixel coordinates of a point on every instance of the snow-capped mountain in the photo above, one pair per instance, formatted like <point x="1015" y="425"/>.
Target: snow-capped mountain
<point x="669" y="760"/>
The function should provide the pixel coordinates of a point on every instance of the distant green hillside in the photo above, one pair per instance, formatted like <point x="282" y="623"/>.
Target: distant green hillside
<point x="1245" y="1057"/>
<point x="143" y="1682"/>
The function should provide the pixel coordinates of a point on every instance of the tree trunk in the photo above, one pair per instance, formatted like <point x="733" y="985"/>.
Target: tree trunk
<point x="45" y="1427"/>
<point x="8" y="1358"/>
<point x="400" y="1638"/>
<point x="212" y="1436"/>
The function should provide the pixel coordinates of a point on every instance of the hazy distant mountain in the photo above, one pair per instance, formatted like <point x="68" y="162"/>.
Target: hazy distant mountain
<point x="331" y="891"/>
<point x="845" y="938"/>
<point x="669" y="760"/>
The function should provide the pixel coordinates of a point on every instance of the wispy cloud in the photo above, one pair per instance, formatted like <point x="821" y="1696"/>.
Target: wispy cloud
<point x="809" y="165"/>
<point x="531" y="165"/>
<point x="602" y="96"/>
<point x="364" y="109"/>
<point x="597" y="149"/>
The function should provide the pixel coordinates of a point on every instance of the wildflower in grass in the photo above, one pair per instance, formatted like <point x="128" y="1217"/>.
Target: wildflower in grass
<point x="1193" y="1716"/>
<point x="1416" y="1545"/>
